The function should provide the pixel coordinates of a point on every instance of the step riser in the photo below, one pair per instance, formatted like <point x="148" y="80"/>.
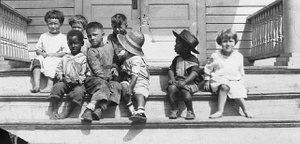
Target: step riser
<point x="156" y="109"/>
<point x="174" y="136"/>
<point x="254" y="83"/>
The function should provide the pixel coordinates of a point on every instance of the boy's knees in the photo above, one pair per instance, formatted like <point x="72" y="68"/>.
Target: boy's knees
<point x="171" y="88"/>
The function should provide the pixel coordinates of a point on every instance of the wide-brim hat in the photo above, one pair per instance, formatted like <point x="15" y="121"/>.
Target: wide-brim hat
<point x="132" y="42"/>
<point x="190" y="39"/>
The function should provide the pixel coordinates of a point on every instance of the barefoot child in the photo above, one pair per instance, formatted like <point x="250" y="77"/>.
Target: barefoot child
<point x="224" y="73"/>
<point x="79" y="22"/>
<point x="137" y="83"/>
<point x="100" y="59"/>
<point x="50" y="48"/>
<point x="183" y="74"/>
<point x="71" y="73"/>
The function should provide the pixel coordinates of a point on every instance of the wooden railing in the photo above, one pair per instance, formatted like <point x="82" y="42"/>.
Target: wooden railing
<point x="267" y="31"/>
<point x="13" y="38"/>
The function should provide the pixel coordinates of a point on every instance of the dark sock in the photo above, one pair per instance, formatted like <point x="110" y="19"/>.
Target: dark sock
<point x="189" y="105"/>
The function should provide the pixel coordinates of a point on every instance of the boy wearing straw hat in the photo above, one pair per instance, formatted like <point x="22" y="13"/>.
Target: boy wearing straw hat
<point x="183" y="74"/>
<point x="134" y="65"/>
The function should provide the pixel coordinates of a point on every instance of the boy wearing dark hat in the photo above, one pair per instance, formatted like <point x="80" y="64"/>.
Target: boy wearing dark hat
<point x="183" y="74"/>
<point x="137" y="82"/>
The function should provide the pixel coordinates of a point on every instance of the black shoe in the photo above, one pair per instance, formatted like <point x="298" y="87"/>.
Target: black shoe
<point x="97" y="114"/>
<point x="138" y="117"/>
<point x="87" y="115"/>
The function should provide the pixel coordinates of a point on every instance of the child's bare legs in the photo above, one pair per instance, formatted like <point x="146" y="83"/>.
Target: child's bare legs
<point x="241" y="103"/>
<point x="188" y="103"/>
<point x="127" y="97"/>
<point x="49" y="86"/>
<point x="54" y="105"/>
<point x="172" y="89"/>
<point x="222" y="97"/>
<point x="36" y="79"/>
<point x="139" y="115"/>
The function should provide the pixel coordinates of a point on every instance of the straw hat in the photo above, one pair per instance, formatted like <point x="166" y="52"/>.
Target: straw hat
<point x="132" y="42"/>
<point x="186" y="36"/>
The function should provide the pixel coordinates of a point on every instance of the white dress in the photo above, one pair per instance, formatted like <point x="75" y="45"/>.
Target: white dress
<point x="227" y="70"/>
<point x="51" y="43"/>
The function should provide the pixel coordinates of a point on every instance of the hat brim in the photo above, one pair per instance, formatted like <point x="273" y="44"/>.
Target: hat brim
<point x="126" y="46"/>
<point x="182" y="38"/>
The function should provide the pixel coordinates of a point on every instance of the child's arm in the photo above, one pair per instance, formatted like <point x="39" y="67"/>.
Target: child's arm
<point x="132" y="84"/>
<point x="171" y="72"/>
<point x="59" y="70"/>
<point x="95" y="64"/>
<point x="83" y="71"/>
<point x="209" y="67"/>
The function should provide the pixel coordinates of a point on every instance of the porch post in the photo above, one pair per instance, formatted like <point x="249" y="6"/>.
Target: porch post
<point x="291" y="32"/>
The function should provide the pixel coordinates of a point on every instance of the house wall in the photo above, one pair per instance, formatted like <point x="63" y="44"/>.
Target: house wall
<point x="36" y="10"/>
<point x="220" y="14"/>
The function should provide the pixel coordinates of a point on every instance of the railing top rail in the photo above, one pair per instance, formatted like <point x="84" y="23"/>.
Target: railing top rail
<point x="264" y="9"/>
<point x="7" y="7"/>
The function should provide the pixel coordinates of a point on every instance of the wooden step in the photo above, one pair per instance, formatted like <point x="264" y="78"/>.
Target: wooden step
<point x="257" y="79"/>
<point x="121" y="130"/>
<point x="35" y="106"/>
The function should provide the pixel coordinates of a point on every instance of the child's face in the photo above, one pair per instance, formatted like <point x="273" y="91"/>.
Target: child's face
<point x="179" y="47"/>
<point x="95" y="36"/>
<point x="77" y="26"/>
<point x="228" y="45"/>
<point x="75" y="45"/>
<point x="120" y="29"/>
<point x="122" y="53"/>
<point x="53" y="26"/>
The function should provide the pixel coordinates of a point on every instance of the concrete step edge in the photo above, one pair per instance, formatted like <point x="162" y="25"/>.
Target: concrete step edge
<point x="157" y="95"/>
<point x="124" y="123"/>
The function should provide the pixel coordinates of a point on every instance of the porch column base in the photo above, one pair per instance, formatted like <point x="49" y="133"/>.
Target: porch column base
<point x="291" y="60"/>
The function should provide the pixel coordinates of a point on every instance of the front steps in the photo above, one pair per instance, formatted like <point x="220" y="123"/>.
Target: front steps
<point x="273" y="97"/>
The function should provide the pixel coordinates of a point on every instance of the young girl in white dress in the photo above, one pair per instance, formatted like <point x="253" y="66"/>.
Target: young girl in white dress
<point x="224" y="73"/>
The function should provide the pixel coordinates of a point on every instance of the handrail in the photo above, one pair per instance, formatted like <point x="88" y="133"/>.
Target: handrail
<point x="13" y="33"/>
<point x="267" y="31"/>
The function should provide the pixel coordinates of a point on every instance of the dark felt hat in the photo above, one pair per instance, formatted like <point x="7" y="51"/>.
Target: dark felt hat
<point x="132" y="42"/>
<point x="190" y="39"/>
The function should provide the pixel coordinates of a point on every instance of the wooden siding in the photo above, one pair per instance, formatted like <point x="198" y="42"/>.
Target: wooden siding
<point x="36" y="10"/>
<point x="222" y="14"/>
<point x="219" y="14"/>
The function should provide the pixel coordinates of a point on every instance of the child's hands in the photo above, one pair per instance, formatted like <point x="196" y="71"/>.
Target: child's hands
<point x="44" y="54"/>
<point x="129" y="92"/>
<point x="206" y="85"/>
<point x="181" y="83"/>
<point x="114" y="72"/>
<point x="172" y="82"/>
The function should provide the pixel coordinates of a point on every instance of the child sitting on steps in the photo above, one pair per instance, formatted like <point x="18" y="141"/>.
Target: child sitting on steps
<point x="224" y="73"/>
<point x="51" y="47"/>
<point x="183" y="74"/>
<point x="137" y="82"/>
<point x="71" y="73"/>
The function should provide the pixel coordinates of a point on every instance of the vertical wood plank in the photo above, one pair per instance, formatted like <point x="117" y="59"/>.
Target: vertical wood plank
<point x="78" y="7"/>
<point x="201" y="32"/>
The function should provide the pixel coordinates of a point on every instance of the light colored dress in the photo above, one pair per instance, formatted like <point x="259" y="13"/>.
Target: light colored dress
<point x="136" y="66"/>
<point x="51" y="43"/>
<point x="228" y="70"/>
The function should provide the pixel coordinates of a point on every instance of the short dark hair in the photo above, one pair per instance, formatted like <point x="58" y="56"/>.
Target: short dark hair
<point x="77" y="33"/>
<point x="118" y="19"/>
<point x="95" y="25"/>
<point x="226" y="34"/>
<point x="78" y="19"/>
<point x="55" y="14"/>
